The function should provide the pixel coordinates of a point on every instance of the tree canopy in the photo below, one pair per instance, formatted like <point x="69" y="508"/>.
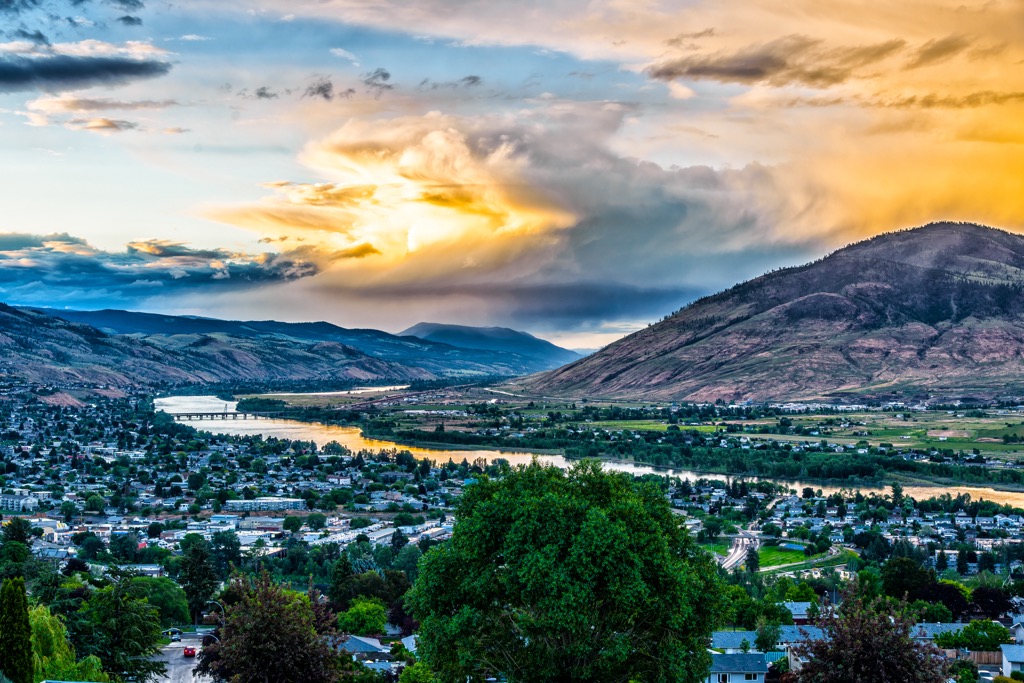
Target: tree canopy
<point x="566" y="575"/>
<point x="869" y="640"/>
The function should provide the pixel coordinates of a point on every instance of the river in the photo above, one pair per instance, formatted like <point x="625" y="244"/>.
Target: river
<point x="353" y="439"/>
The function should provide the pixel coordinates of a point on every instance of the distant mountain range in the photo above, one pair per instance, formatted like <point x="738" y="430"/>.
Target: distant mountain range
<point x="934" y="311"/>
<point x="494" y="339"/>
<point x="124" y="347"/>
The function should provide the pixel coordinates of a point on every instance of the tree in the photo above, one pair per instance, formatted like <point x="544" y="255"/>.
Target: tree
<point x="981" y="635"/>
<point x="753" y="560"/>
<point x="18" y="530"/>
<point x="417" y="673"/>
<point x="95" y="503"/>
<point x="125" y="630"/>
<point x="270" y="636"/>
<point x="196" y="574"/>
<point x="292" y="524"/>
<point x="341" y="580"/>
<point x="225" y="552"/>
<point x="398" y="540"/>
<point x="316" y="521"/>
<point x="868" y="641"/>
<point x="570" y="575"/>
<point x="767" y="636"/>
<point x="991" y="602"/>
<point x="168" y="598"/>
<point x="941" y="562"/>
<point x="961" y="563"/>
<point x="366" y="617"/>
<point x="15" y="632"/>
<point x="53" y="656"/>
<point x="930" y="612"/>
<point x="902" y="577"/>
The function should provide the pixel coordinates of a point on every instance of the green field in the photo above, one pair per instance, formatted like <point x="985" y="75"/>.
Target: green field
<point x="773" y="556"/>
<point x="717" y="548"/>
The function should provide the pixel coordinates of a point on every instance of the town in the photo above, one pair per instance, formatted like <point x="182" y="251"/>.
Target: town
<point x="109" y="485"/>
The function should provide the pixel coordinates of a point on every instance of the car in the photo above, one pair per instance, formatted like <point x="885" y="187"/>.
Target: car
<point x="190" y="651"/>
<point x="175" y="637"/>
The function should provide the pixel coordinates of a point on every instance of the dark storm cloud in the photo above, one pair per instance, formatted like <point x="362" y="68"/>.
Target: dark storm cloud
<point x="61" y="267"/>
<point x="936" y="51"/>
<point x="129" y="20"/>
<point x="793" y="59"/>
<point x="60" y="72"/>
<point x="265" y="93"/>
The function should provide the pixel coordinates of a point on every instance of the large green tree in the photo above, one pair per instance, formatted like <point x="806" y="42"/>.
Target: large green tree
<point x="125" y="630"/>
<point x="168" y="598"/>
<point x="15" y="632"/>
<point x="53" y="656"/>
<point x="555" y="575"/>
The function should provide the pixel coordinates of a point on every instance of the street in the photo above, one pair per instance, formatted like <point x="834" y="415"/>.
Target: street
<point x="179" y="667"/>
<point x="738" y="551"/>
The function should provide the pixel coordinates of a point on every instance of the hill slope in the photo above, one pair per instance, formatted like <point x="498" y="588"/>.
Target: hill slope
<point x="936" y="310"/>
<point x="423" y="356"/>
<point x="39" y="348"/>
<point x="494" y="339"/>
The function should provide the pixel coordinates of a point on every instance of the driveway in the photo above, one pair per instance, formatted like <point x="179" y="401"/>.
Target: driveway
<point x="179" y="667"/>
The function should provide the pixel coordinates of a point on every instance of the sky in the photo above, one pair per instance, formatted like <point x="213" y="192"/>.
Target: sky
<point x="573" y="168"/>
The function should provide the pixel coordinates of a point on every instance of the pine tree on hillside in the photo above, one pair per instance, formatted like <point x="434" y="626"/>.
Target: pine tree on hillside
<point x="15" y="632"/>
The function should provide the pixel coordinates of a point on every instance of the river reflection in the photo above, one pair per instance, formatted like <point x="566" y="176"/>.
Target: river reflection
<point x="353" y="439"/>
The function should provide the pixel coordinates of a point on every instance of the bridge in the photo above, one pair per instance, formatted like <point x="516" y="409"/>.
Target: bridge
<point x="218" y="416"/>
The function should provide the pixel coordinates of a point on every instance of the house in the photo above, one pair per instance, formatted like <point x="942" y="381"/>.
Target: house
<point x="359" y="645"/>
<point x="799" y="611"/>
<point x="18" y="503"/>
<point x="735" y="668"/>
<point x="1013" y="658"/>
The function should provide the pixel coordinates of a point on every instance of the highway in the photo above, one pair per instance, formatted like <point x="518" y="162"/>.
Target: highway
<point x="179" y="667"/>
<point x="738" y="552"/>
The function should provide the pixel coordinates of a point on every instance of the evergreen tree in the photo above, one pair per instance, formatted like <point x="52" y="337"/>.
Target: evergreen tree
<point x="753" y="560"/>
<point x="961" y="563"/>
<point x="196" y="575"/>
<point x="15" y="632"/>
<point x="941" y="562"/>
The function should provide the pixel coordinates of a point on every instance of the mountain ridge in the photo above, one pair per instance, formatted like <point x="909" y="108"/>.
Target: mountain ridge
<point x="492" y="338"/>
<point x="932" y="310"/>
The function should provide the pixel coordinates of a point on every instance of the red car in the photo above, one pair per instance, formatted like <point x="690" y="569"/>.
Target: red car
<point x="190" y="651"/>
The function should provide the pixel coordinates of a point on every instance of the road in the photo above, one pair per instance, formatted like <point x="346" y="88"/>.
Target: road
<point x="738" y="552"/>
<point x="179" y="667"/>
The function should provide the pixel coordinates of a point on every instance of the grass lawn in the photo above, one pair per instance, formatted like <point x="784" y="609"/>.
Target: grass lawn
<point x="772" y="556"/>
<point x="717" y="548"/>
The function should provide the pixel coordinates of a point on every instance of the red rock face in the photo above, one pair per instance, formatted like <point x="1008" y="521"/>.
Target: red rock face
<point x="938" y="311"/>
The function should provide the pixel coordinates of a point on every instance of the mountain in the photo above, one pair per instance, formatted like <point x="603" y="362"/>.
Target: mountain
<point x="420" y="356"/>
<point x="40" y="348"/>
<point x="933" y="311"/>
<point x="494" y="339"/>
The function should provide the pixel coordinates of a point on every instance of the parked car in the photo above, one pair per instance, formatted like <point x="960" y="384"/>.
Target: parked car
<point x="190" y="651"/>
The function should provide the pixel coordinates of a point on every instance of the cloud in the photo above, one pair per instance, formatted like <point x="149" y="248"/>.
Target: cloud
<point x="102" y="125"/>
<point x="71" y="103"/>
<point x="128" y="20"/>
<point x="127" y="5"/>
<point x="471" y="81"/>
<point x="193" y="38"/>
<point x="65" y="66"/>
<point x="36" y="36"/>
<point x="790" y="60"/>
<point x="377" y="81"/>
<point x="937" y="51"/>
<point x="17" y="6"/>
<point x="521" y="217"/>
<point x="42" y="269"/>
<point x="345" y="54"/>
<point x="321" y="88"/>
